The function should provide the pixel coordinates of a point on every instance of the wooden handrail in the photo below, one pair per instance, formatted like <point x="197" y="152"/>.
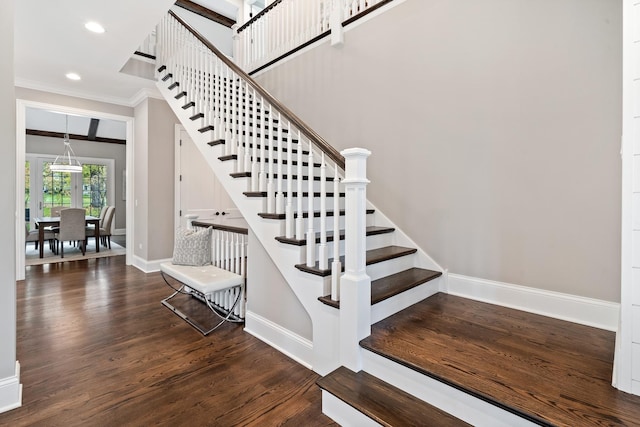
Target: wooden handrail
<point x="229" y="228"/>
<point x="259" y="15"/>
<point x="312" y="135"/>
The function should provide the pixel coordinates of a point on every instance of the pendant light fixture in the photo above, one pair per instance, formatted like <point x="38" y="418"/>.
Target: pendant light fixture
<point x="67" y="161"/>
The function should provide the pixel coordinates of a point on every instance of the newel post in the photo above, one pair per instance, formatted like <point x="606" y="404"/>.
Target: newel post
<point x="355" y="285"/>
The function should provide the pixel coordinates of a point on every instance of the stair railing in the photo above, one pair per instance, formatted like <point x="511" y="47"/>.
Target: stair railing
<point x="271" y="144"/>
<point x="286" y="26"/>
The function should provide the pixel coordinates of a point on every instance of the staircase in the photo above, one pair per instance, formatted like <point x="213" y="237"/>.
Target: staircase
<point x="294" y="190"/>
<point x="306" y="204"/>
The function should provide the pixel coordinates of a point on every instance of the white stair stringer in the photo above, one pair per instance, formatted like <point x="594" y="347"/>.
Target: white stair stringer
<point x="306" y="287"/>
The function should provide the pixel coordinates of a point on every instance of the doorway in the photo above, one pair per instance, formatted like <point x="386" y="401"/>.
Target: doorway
<point x="88" y="192"/>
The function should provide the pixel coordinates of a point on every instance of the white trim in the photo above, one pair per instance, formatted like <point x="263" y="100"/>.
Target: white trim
<point x="290" y="344"/>
<point x="343" y="413"/>
<point x="585" y="311"/>
<point x="147" y="266"/>
<point x="327" y="39"/>
<point x="11" y="391"/>
<point x="140" y="96"/>
<point x="449" y="399"/>
<point x="119" y="231"/>
<point x="21" y="138"/>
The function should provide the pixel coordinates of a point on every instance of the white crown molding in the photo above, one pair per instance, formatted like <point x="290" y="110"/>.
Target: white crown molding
<point x="126" y="102"/>
<point x="143" y="94"/>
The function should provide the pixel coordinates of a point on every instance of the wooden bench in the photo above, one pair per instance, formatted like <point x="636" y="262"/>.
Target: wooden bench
<point x="203" y="282"/>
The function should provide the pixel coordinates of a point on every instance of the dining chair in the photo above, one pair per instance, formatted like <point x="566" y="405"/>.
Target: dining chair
<point x="32" y="236"/>
<point x="72" y="229"/>
<point x="90" y="228"/>
<point x="105" y="228"/>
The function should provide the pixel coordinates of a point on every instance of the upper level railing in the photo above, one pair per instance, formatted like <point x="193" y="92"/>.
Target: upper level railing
<point x="286" y="26"/>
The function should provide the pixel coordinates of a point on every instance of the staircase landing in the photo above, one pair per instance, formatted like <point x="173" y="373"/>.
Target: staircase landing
<point x="548" y="371"/>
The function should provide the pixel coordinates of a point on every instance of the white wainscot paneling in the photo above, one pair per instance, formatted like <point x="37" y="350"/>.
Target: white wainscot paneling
<point x="636" y="174"/>
<point x="636" y="210"/>
<point x="635" y="249"/>
<point x="636" y="61"/>
<point x="636" y="18"/>
<point x="636" y="98"/>
<point x="635" y="363"/>
<point x="635" y="286"/>
<point x="635" y="313"/>
<point x="636" y="125"/>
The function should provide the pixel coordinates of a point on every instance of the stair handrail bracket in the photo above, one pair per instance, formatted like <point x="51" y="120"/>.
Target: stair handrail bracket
<point x="355" y="284"/>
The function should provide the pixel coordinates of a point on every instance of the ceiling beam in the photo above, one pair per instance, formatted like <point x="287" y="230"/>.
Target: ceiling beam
<point x="207" y="13"/>
<point x="60" y="135"/>
<point x="93" y="129"/>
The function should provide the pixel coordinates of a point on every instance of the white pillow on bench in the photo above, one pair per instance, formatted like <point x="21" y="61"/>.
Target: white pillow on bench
<point x="192" y="246"/>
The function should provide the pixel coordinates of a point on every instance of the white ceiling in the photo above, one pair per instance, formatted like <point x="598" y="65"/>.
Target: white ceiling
<point x="51" y="41"/>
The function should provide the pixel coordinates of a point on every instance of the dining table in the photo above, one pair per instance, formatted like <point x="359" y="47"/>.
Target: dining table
<point x="54" y="221"/>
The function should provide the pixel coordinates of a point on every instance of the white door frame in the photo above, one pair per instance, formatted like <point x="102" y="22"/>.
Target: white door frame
<point x="21" y="144"/>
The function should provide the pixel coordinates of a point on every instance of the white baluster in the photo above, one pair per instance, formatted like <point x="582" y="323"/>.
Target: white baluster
<point x="255" y="166"/>
<point x="311" y="233"/>
<point x="264" y="141"/>
<point x="289" y="220"/>
<point x="336" y="265"/>
<point x="244" y="117"/>
<point x="271" y="196"/>
<point x="234" y="114"/>
<point x="299" y="219"/>
<point x="279" y="195"/>
<point x="323" y="256"/>
<point x="227" y="111"/>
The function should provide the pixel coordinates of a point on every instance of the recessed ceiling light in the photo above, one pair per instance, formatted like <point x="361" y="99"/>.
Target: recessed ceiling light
<point x="94" y="27"/>
<point x="73" y="76"/>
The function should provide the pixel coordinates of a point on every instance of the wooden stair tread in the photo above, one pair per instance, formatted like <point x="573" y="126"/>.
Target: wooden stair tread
<point x="392" y="285"/>
<point x="383" y="402"/>
<point x="370" y="231"/>
<point x="284" y="176"/>
<point x="373" y="256"/>
<point x="549" y="371"/>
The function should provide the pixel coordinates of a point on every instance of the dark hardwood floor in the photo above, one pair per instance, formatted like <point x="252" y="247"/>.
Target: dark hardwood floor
<point x="97" y="348"/>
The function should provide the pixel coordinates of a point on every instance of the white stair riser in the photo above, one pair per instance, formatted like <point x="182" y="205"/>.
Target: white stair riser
<point x="459" y="404"/>
<point x="389" y="267"/>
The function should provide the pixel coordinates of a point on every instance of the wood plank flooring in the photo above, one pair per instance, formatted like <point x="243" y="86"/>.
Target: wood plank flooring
<point x="97" y="348"/>
<point x="549" y="371"/>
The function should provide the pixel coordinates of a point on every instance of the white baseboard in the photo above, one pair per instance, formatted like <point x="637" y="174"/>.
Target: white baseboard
<point x="120" y="232"/>
<point x="581" y="310"/>
<point x="292" y="345"/>
<point x="148" y="266"/>
<point x="11" y="391"/>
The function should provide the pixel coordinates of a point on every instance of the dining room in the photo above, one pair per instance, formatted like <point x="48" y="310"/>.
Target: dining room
<point x="97" y="150"/>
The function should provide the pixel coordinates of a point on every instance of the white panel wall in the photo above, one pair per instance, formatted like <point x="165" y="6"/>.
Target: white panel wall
<point x="628" y="339"/>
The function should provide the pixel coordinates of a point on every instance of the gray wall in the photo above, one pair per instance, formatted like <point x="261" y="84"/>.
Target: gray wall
<point x="7" y="216"/>
<point x="153" y="181"/>
<point x="101" y="150"/>
<point x="495" y="130"/>
<point x="268" y="292"/>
